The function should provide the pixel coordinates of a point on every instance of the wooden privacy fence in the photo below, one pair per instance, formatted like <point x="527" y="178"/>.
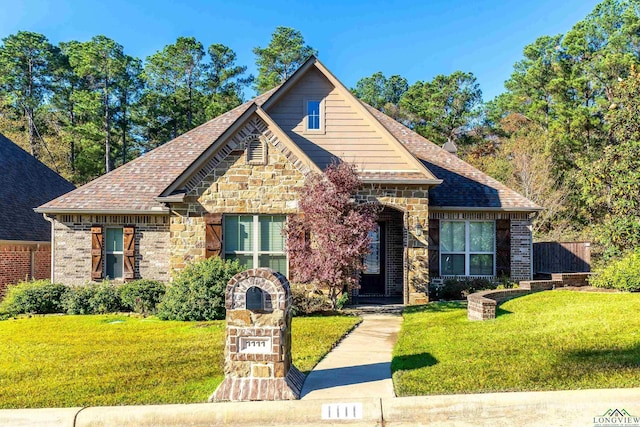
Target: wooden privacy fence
<point x="561" y="257"/>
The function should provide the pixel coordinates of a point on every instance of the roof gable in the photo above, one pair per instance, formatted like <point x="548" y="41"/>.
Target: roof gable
<point x="350" y="133"/>
<point x="25" y="183"/>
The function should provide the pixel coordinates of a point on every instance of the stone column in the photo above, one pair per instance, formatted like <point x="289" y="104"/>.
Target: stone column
<point x="258" y="339"/>
<point x="417" y="255"/>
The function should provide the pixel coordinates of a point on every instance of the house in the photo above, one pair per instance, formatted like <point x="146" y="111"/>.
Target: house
<point x="226" y="187"/>
<point x="25" y="236"/>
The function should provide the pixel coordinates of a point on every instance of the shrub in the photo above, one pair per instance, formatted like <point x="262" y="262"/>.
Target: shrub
<point x="77" y="300"/>
<point x="105" y="298"/>
<point x="33" y="297"/>
<point x="197" y="292"/>
<point x="308" y="302"/>
<point x="623" y="274"/>
<point x="93" y="298"/>
<point x="459" y="288"/>
<point x="142" y="296"/>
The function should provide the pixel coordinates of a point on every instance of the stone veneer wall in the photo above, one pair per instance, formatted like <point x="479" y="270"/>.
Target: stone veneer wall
<point x="72" y="249"/>
<point x="233" y="187"/>
<point x="521" y="239"/>
<point x="414" y="203"/>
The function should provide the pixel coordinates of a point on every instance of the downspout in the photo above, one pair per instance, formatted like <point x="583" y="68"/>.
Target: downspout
<point x="52" y="220"/>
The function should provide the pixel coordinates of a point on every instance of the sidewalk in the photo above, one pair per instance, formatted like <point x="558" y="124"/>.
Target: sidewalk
<point x="360" y="366"/>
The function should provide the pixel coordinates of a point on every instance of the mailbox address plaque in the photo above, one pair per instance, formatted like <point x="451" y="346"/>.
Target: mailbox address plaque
<point x="255" y="345"/>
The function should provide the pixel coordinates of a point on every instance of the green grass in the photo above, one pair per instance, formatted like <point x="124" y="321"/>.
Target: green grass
<point x="546" y="341"/>
<point x="61" y="361"/>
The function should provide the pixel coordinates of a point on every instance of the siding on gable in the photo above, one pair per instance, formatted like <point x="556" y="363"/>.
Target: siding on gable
<point x="348" y="135"/>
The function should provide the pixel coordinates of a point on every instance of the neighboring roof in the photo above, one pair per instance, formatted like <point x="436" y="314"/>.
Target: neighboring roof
<point x="25" y="183"/>
<point x="463" y="186"/>
<point x="135" y="186"/>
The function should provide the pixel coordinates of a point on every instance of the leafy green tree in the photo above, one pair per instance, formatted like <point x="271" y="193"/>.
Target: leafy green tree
<point x="174" y="79"/>
<point x="186" y="87"/>
<point x="26" y="69"/>
<point x="224" y="80"/>
<point x="611" y="184"/>
<point x="102" y="62"/>
<point x="284" y="54"/>
<point x="382" y="93"/>
<point x="444" y="107"/>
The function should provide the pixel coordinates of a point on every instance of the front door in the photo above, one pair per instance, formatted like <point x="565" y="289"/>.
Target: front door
<point x="373" y="277"/>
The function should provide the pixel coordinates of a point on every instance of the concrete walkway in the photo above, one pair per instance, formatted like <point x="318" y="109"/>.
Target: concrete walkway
<point x="360" y="366"/>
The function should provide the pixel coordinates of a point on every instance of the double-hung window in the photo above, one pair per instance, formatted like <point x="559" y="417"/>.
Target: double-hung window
<point x="256" y="241"/>
<point x="314" y="116"/>
<point x="467" y="248"/>
<point x="114" y="251"/>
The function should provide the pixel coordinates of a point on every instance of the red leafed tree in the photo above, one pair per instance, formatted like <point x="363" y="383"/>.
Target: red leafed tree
<point x="327" y="243"/>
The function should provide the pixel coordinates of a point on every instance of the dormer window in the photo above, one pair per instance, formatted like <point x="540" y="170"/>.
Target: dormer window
<point x="314" y="118"/>
<point x="256" y="150"/>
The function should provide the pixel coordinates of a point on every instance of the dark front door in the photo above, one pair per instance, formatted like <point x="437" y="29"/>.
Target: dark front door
<point x="373" y="277"/>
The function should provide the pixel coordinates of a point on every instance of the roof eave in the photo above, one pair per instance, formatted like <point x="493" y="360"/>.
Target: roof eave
<point x="484" y="209"/>
<point x="154" y="211"/>
<point x="401" y="181"/>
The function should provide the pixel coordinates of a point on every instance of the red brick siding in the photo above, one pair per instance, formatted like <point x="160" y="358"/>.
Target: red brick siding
<point x="15" y="263"/>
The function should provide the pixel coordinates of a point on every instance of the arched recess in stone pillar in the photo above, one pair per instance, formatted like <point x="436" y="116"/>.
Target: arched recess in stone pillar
<point x="414" y="204"/>
<point x="385" y="273"/>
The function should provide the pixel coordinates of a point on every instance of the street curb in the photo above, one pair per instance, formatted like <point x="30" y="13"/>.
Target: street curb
<point x="557" y="408"/>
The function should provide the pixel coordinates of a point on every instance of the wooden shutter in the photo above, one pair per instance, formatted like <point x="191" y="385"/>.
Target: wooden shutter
<point x="97" y="252"/>
<point x="129" y="255"/>
<point x="213" y="224"/>
<point x="503" y="247"/>
<point x="434" y="247"/>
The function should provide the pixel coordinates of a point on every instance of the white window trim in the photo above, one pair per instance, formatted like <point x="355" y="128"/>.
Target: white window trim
<point x="255" y="253"/>
<point x="323" y="115"/>
<point x="467" y="252"/>
<point x="108" y="252"/>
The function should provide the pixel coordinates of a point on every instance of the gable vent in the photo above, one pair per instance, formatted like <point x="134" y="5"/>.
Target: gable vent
<point x="256" y="151"/>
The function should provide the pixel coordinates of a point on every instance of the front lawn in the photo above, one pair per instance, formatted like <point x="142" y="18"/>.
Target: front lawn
<point x="57" y="361"/>
<point x="546" y="341"/>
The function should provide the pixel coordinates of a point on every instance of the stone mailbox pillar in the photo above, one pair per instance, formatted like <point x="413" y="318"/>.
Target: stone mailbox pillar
<point x="258" y="339"/>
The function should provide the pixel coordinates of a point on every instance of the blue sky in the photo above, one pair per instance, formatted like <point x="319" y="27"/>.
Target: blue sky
<point x="417" y="40"/>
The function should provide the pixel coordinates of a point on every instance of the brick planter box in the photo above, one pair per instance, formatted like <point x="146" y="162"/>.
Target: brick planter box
<point x="482" y="305"/>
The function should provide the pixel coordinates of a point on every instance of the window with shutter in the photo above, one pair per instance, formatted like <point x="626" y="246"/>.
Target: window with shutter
<point x="256" y="151"/>
<point x="114" y="253"/>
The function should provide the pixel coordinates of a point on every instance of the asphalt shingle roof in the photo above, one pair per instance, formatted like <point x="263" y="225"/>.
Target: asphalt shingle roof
<point x="25" y="183"/>
<point x="463" y="185"/>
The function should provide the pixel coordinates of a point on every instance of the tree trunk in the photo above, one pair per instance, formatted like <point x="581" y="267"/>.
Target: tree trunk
<point x="72" y="158"/>
<point x="124" y="131"/>
<point x="107" y="128"/>
<point x="32" y="132"/>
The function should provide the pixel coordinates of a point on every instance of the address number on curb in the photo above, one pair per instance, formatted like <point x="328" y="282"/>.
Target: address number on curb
<point x="342" y="411"/>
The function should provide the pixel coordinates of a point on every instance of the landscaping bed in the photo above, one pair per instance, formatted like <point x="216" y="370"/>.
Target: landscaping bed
<point x="545" y="341"/>
<point x="94" y="360"/>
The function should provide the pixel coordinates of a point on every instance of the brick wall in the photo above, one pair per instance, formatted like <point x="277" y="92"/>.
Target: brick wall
<point x="23" y="262"/>
<point x="72" y="239"/>
<point x="521" y="249"/>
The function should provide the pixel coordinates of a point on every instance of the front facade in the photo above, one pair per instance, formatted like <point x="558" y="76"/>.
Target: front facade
<point x="226" y="188"/>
